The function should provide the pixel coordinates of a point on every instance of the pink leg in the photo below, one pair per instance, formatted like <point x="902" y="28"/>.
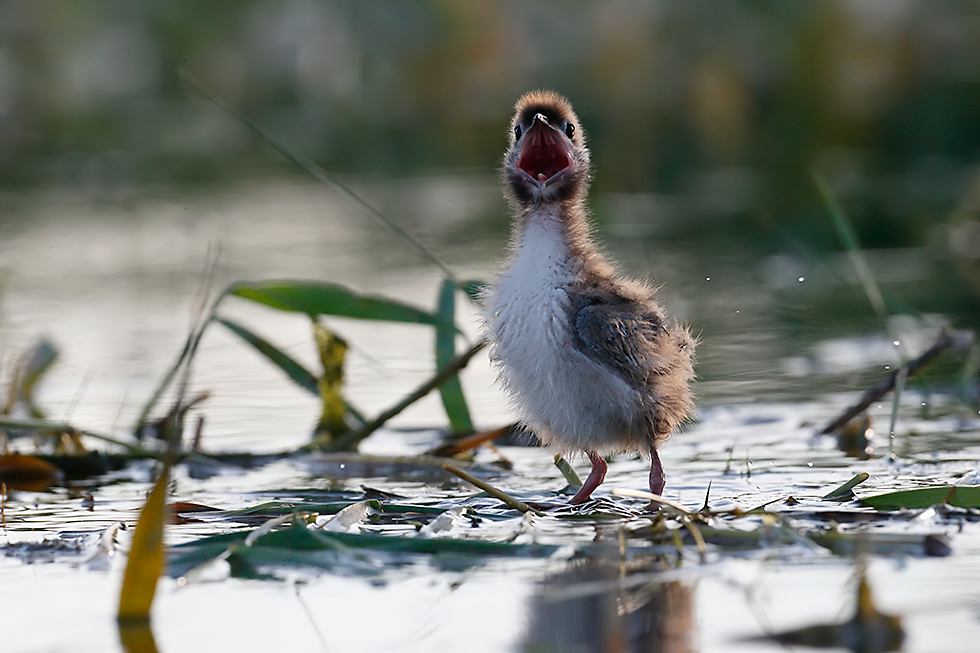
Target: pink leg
<point x="657" y="476"/>
<point x="596" y="476"/>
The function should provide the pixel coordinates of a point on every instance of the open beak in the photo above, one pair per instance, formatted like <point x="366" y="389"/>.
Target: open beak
<point x="543" y="155"/>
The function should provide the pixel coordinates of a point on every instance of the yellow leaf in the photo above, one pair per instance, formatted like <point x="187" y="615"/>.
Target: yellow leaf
<point x="332" y="352"/>
<point x="145" y="562"/>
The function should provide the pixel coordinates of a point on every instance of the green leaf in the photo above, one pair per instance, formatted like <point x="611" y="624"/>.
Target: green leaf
<point x="846" y="491"/>
<point x="145" y="561"/>
<point x="451" y="391"/>
<point x="315" y="298"/>
<point x="961" y="496"/>
<point x="293" y="369"/>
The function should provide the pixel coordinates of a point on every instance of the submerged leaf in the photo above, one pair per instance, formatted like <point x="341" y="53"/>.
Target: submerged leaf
<point x="145" y="556"/>
<point x="318" y="298"/>
<point x="961" y="496"/>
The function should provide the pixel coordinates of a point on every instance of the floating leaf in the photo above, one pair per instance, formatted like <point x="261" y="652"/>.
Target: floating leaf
<point x="27" y="473"/>
<point x="349" y="519"/>
<point x="961" y="496"/>
<point x="298" y="537"/>
<point x="451" y="391"/>
<point x="846" y="491"/>
<point x="293" y="369"/>
<point x="145" y="556"/>
<point x="315" y="298"/>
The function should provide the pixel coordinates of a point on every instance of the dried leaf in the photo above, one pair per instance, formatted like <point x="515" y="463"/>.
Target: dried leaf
<point x="27" y="473"/>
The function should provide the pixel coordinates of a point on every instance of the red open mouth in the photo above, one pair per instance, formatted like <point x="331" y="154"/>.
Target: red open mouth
<point x="543" y="153"/>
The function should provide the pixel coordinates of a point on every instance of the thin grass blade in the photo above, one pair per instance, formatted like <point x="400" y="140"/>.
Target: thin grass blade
<point x="900" y="378"/>
<point x="321" y="175"/>
<point x="849" y="237"/>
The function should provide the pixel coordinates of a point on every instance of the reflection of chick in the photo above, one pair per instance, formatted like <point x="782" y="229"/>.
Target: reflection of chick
<point x="589" y="357"/>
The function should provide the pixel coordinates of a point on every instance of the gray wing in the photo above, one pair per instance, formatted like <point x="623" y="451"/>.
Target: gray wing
<point x="629" y="336"/>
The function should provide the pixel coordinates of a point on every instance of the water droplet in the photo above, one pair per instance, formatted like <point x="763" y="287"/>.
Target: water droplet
<point x="809" y="464"/>
<point x="801" y="279"/>
<point x="896" y="343"/>
<point x="887" y="367"/>
<point x="707" y="278"/>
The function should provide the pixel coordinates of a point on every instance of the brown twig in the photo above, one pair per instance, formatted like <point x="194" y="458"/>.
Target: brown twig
<point x="947" y="339"/>
<point x="457" y="447"/>
<point x="511" y="502"/>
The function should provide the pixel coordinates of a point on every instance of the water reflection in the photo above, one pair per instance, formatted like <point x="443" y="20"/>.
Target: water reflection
<point x="598" y="605"/>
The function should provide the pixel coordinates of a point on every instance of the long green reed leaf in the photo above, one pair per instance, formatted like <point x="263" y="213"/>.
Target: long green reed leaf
<point x="293" y="369"/>
<point x="451" y="392"/>
<point x="315" y="298"/>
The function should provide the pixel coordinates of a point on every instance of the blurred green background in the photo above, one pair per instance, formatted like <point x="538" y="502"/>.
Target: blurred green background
<point x="708" y="115"/>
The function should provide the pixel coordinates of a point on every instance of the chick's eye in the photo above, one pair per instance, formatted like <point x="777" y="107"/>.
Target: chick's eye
<point x="517" y="132"/>
<point x="569" y="129"/>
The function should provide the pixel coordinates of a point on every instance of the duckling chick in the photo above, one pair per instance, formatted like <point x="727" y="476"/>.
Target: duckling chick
<point x="588" y="357"/>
